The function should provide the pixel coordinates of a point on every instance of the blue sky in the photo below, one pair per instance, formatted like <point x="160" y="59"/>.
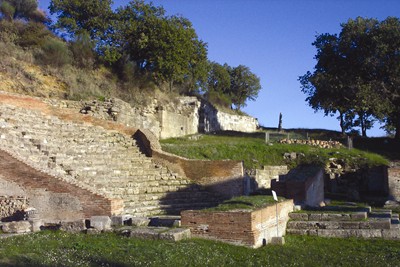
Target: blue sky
<point x="273" y="38"/>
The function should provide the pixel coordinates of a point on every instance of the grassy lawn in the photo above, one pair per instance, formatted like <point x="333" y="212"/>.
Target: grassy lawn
<point x="62" y="249"/>
<point x="255" y="153"/>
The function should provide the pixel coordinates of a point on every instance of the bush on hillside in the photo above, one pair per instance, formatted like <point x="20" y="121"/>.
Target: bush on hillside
<point x="54" y="53"/>
<point x="82" y="49"/>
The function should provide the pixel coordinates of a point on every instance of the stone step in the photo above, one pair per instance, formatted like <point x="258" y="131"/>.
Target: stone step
<point x="376" y="223"/>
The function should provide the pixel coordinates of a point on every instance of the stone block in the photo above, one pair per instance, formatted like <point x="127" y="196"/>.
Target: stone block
<point x="314" y="216"/>
<point x="335" y="217"/>
<point x="176" y="234"/>
<point x="73" y="226"/>
<point x="350" y="225"/>
<point x="17" y="227"/>
<point x="36" y="225"/>
<point x="333" y="233"/>
<point x="392" y="234"/>
<point x="101" y="223"/>
<point x="147" y="233"/>
<point x="92" y="231"/>
<point x="367" y="233"/>
<point x="298" y="216"/>
<point x="140" y="221"/>
<point x="297" y="231"/>
<point x="119" y="220"/>
<point x="358" y="215"/>
<point x="382" y="223"/>
<point x="278" y="240"/>
<point x="327" y="225"/>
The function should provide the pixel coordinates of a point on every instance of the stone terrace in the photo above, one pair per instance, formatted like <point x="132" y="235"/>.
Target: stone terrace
<point x="99" y="160"/>
<point x="362" y="224"/>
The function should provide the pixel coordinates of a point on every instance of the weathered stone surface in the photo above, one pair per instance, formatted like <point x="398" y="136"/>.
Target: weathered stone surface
<point x="315" y="217"/>
<point x="298" y="216"/>
<point x="17" y="227"/>
<point x="36" y="225"/>
<point x="176" y="234"/>
<point x="147" y="233"/>
<point x="391" y="234"/>
<point x="92" y="231"/>
<point x="140" y="221"/>
<point x="382" y="223"/>
<point x="119" y="220"/>
<point x="335" y="217"/>
<point x="74" y="226"/>
<point x="297" y="231"/>
<point x="278" y="240"/>
<point x="101" y="223"/>
<point x="358" y="215"/>
<point x="350" y="225"/>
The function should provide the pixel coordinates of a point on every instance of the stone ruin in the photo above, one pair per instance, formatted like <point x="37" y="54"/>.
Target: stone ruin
<point x="311" y="142"/>
<point x="73" y="166"/>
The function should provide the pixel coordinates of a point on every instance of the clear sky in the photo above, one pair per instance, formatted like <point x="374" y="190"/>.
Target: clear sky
<point x="273" y="38"/>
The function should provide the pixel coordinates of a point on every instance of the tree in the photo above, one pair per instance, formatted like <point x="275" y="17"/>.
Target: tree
<point x="217" y="87"/>
<point x="245" y="85"/>
<point x="166" y="47"/>
<point x="354" y="72"/>
<point x="74" y="16"/>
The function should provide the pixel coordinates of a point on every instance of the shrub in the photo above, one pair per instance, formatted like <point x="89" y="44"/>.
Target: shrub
<point x="82" y="51"/>
<point x="54" y="52"/>
<point x="8" y="31"/>
<point x="32" y="34"/>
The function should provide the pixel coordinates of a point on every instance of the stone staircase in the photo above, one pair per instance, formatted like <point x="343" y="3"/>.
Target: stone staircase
<point x="363" y="223"/>
<point x="99" y="160"/>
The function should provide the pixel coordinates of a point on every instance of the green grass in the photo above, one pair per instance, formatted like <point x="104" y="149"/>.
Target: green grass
<point x="245" y="203"/>
<point x="62" y="249"/>
<point x="252" y="149"/>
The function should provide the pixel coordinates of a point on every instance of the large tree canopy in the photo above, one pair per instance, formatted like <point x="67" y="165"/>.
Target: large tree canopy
<point x="357" y="74"/>
<point x="139" y="38"/>
<point x="76" y="16"/>
<point x="232" y="85"/>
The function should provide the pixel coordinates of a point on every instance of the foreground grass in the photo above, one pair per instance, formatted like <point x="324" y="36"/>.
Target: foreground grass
<point x="256" y="153"/>
<point x="62" y="249"/>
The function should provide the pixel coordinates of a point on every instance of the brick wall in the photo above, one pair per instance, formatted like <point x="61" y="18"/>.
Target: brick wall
<point x="54" y="199"/>
<point x="222" y="176"/>
<point x="248" y="228"/>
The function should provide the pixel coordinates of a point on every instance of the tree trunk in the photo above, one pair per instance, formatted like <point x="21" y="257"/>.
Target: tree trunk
<point x="397" y="126"/>
<point x="342" y="127"/>
<point x="363" y="126"/>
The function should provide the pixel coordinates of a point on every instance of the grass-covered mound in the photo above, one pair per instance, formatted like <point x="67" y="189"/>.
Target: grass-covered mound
<point x="255" y="152"/>
<point x="245" y="203"/>
<point x="108" y="249"/>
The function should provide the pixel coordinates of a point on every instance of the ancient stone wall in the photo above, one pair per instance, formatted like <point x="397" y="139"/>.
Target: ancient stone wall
<point x="179" y="118"/>
<point x="263" y="177"/>
<point x="54" y="199"/>
<point x="359" y="224"/>
<point x="305" y="185"/>
<point x="108" y="162"/>
<point x="239" y="227"/>
<point x="213" y="120"/>
<point x="10" y="206"/>
<point x="225" y="177"/>
<point x="394" y="182"/>
<point x="182" y="116"/>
